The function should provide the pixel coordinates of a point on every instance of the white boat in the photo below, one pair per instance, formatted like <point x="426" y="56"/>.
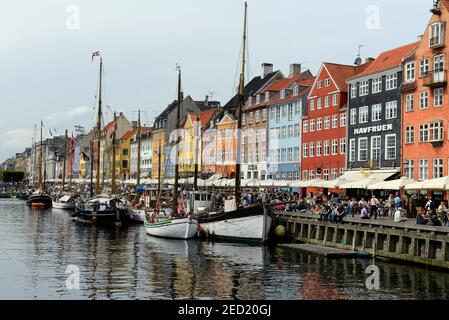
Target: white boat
<point x="66" y="202"/>
<point x="164" y="227"/>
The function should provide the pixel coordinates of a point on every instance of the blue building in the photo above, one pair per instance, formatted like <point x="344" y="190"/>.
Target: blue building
<point x="285" y="112"/>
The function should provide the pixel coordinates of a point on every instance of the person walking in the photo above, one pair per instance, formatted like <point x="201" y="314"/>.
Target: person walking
<point x="374" y="203"/>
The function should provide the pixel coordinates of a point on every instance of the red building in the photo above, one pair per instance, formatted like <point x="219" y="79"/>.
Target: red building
<point x="324" y="142"/>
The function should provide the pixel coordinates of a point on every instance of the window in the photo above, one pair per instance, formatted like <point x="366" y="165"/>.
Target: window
<point x="304" y="175"/>
<point x="436" y="34"/>
<point x="353" y="116"/>
<point x="391" y="110"/>
<point x="297" y="154"/>
<point x="335" y="121"/>
<point x="283" y="155"/>
<point x="305" y="126"/>
<point x="424" y="67"/>
<point x="297" y="130"/>
<point x="284" y="132"/>
<point x="391" y="82"/>
<point x="327" y="123"/>
<point x="272" y="113"/>
<point x="311" y="174"/>
<point x="334" y="147"/>
<point x="257" y="116"/>
<point x="390" y="147"/>
<point x="290" y="112"/>
<point x="264" y="115"/>
<point x="423" y="169"/>
<point x="326" y="101"/>
<point x="295" y="90"/>
<point x="424" y="100"/>
<point x="334" y="173"/>
<point x="312" y="125"/>
<point x="327" y="82"/>
<point x="436" y="131"/>
<point x="341" y="171"/>
<point x="375" y="147"/>
<point x="320" y="84"/>
<point x="335" y="99"/>
<point x="438" y="66"/>
<point x="305" y="150"/>
<point x="410" y="134"/>
<point x="312" y="149"/>
<point x="319" y="124"/>
<point x="352" y="150"/>
<point x="409" y="169"/>
<point x="437" y="168"/>
<point x="363" y="149"/>
<point x="243" y="119"/>
<point x="410" y="102"/>
<point x="343" y="146"/>
<point x="376" y="112"/>
<point x="326" y="147"/>
<point x="284" y="110"/>
<point x="364" y="88"/>
<point x="353" y="91"/>
<point x="363" y="114"/>
<point x="298" y="106"/>
<point x="267" y="96"/>
<point x="410" y="71"/>
<point x="125" y="152"/>
<point x="326" y="174"/>
<point x="290" y="131"/>
<point x="343" y="120"/>
<point x="250" y="118"/>
<point x="377" y="85"/>
<point x="258" y="99"/>
<point x="283" y="94"/>
<point x="319" y="103"/>
<point x="319" y="148"/>
<point x="424" y="133"/>
<point x="438" y="97"/>
<point x="289" y="154"/>
<point x="312" y="104"/>
<point x="278" y="114"/>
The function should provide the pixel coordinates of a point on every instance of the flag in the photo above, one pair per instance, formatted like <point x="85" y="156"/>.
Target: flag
<point x="95" y="54"/>
<point x="72" y="143"/>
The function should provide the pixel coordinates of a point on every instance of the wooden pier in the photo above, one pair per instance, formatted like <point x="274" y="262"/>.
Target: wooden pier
<point x="406" y="241"/>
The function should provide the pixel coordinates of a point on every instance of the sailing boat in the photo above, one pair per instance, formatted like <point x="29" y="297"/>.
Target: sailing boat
<point x="101" y="209"/>
<point x="158" y="223"/>
<point x="252" y="223"/>
<point x="64" y="201"/>
<point x="40" y="199"/>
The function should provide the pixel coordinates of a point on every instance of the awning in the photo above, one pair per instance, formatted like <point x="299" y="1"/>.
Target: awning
<point x="251" y="183"/>
<point x="368" y="179"/>
<point x="397" y="184"/>
<point x="433" y="184"/>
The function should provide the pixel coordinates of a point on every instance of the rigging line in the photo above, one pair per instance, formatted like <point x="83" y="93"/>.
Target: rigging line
<point x="237" y="70"/>
<point x="249" y="67"/>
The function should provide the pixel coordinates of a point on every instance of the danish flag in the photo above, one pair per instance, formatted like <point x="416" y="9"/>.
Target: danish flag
<point x="95" y="54"/>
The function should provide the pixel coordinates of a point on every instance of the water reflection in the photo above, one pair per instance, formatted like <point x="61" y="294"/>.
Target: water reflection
<point x="124" y="263"/>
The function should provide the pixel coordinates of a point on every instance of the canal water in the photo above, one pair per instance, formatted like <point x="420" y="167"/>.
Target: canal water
<point x="36" y="247"/>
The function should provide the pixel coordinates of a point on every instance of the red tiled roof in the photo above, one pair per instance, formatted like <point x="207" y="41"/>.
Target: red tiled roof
<point x="206" y="116"/>
<point x="284" y="83"/>
<point x="388" y="59"/>
<point x="446" y="4"/>
<point x="306" y="82"/>
<point x="340" y="73"/>
<point x="130" y="134"/>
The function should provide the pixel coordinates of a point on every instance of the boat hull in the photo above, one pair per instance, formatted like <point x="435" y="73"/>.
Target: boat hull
<point x="244" y="224"/>
<point x="185" y="228"/>
<point x="63" y="205"/>
<point x="102" y="217"/>
<point x="135" y="216"/>
<point x="41" y="201"/>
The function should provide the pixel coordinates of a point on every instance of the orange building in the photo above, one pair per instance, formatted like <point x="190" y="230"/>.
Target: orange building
<point x="226" y="146"/>
<point x="425" y="102"/>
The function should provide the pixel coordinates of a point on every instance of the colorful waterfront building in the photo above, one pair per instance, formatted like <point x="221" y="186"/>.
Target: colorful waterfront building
<point x="375" y="114"/>
<point x="226" y="141"/>
<point x="425" y="101"/>
<point x="285" y="113"/>
<point x="325" y="124"/>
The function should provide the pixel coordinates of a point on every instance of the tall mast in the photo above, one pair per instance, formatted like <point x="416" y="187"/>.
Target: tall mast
<point x="159" y="171"/>
<point x="197" y="140"/>
<point x="99" y="127"/>
<point x="92" y="165"/>
<point x="34" y="154"/>
<point x="138" y="147"/>
<point x="113" y="156"/>
<point x="178" y="123"/>
<point x="240" y="102"/>
<point x="65" y="156"/>
<point x="40" y="160"/>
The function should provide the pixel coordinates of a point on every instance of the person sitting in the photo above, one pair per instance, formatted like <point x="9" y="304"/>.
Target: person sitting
<point x="325" y="212"/>
<point x="422" y="218"/>
<point x="364" y="213"/>
<point x="434" y="219"/>
<point x="399" y="215"/>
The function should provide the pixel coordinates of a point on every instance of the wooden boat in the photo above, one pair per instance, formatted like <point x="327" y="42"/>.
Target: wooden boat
<point x="65" y="202"/>
<point x="172" y="228"/>
<point x="101" y="210"/>
<point x="40" y="200"/>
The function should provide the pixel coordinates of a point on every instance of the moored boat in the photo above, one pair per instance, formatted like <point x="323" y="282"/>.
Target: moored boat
<point x="101" y="210"/>
<point x="173" y="228"/>
<point x="65" y="202"/>
<point x="40" y="200"/>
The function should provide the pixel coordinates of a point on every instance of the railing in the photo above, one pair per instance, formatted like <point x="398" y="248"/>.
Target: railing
<point x="435" y="79"/>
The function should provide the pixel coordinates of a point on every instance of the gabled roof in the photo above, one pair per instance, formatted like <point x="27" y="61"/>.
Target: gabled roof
<point x="130" y="134"/>
<point x="340" y="73"/>
<point x="388" y="60"/>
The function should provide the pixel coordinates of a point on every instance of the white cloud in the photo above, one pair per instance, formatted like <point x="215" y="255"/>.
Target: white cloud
<point x="62" y="117"/>
<point x="15" y="140"/>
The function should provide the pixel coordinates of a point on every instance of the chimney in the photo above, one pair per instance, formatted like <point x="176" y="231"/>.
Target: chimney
<point x="295" y="68"/>
<point x="420" y="37"/>
<point x="206" y="101"/>
<point x="369" y="59"/>
<point x="267" y="68"/>
<point x="134" y="124"/>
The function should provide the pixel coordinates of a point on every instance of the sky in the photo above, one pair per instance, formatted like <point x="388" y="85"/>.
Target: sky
<point x="46" y="72"/>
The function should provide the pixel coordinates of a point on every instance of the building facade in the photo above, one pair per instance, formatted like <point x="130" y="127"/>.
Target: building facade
<point x="375" y="113"/>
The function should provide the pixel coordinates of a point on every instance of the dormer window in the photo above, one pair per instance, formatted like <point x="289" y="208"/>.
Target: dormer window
<point x="436" y="35"/>
<point x="295" y="90"/>
<point x="250" y="100"/>
<point x="258" y="99"/>
<point x="267" y="96"/>
<point x="283" y="94"/>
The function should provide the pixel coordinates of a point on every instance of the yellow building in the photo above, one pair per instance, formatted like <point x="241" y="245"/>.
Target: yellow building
<point x="158" y="143"/>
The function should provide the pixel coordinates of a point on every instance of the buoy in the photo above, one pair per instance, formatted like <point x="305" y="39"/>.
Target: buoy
<point x="94" y="219"/>
<point x="279" y="231"/>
